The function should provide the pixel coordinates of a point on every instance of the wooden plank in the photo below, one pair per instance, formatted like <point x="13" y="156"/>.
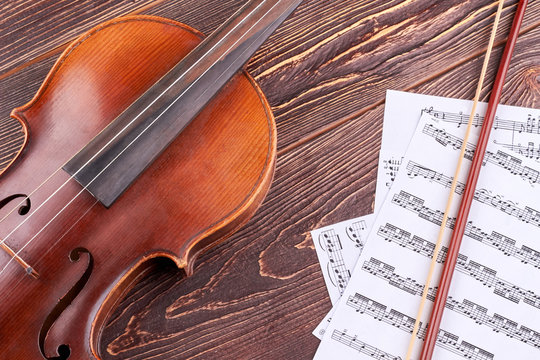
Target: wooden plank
<point x="260" y="294"/>
<point x="332" y="73"/>
<point x="31" y="29"/>
<point x="205" y="16"/>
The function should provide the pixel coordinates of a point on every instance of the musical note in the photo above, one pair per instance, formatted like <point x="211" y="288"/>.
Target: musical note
<point x="445" y="340"/>
<point x="476" y="312"/>
<point x="531" y="151"/>
<point x="495" y="284"/>
<point x="496" y="240"/>
<point x="484" y="274"/>
<point x="391" y="167"/>
<point x="416" y="204"/>
<point x="500" y="158"/>
<point x="362" y="347"/>
<point x="338" y="271"/>
<point x="531" y="126"/>
<point x="354" y="232"/>
<point x="386" y="272"/>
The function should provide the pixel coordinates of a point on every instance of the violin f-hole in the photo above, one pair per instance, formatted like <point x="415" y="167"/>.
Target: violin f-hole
<point x="24" y="209"/>
<point x="64" y="350"/>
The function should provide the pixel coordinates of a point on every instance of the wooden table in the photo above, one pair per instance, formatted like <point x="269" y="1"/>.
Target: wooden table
<point x="325" y="71"/>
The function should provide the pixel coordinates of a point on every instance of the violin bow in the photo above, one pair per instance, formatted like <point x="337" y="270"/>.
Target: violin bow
<point x="472" y="179"/>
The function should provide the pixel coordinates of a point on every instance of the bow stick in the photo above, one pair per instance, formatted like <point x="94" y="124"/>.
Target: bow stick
<point x="472" y="179"/>
<point x="438" y="243"/>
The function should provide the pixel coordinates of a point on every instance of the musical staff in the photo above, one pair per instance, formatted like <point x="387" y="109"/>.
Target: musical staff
<point x="531" y="126"/>
<point x="354" y="232"/>
<point x="495" y="240"/>
<point x="529" y="151"/>
<point x="329" y="240"/>
<point x="362" y="347"/>
<point x="415" y="169"/>
<point x="501" y="159"/>
<point x="445" y="340"/>
<point x="386" y="272"/>
<point x="488" y="277"/>
<point x="496" y="322"/>
<point x="415" y="204"/>
<point x="391" y="167"/>
<point x="415" y="243"/>
<point x="483" y="274"/>
<point x="494" y="302"/>
<point x="476" y="312"/>
<point x="527" y="215"/>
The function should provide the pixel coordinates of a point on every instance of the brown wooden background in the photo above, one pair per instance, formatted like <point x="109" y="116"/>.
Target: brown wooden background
<point x="325" y="72"/>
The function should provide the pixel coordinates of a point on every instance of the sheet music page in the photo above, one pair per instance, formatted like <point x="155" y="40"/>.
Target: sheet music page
<point x="338" y="247"/>
<point x="402" y="111"/>
<point x="493" y="310"/>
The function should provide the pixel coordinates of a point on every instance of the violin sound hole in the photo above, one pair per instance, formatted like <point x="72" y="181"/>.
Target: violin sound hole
<point x="64" y="350"/>
<point x="23" y="209"/>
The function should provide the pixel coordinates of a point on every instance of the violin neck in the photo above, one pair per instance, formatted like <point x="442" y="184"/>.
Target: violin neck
<point x="120" y="153"/>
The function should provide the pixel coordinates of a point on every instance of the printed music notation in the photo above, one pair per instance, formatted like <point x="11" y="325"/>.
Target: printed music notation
<point x="475" y="270"/>
<point x="488" y="277"/>
<point x="527" y="215"/>
<point x="354" y="232"/>
<point x="386" y="272"/>
<point x="500" y="158"/>
<point x="491" y="272"/>
<point x="496" y="322"/>
<point x="416" y="204"/>
<point x="391" y="167"/>
<point x="337" y="257"/>
<point x="518" y="129"/>
<point x="529" y="151"/>
<point x="495" y="240"/>
<point x="531" y="125"/>
<point x="445" y="340"/>
<point x="476" y="312"/>
<point x="362" y="347"/>
<point x="337" y="269"/>
<point x="338" y="247"/>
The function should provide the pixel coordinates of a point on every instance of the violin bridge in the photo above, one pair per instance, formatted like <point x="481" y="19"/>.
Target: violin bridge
<point x="28" y="269"/>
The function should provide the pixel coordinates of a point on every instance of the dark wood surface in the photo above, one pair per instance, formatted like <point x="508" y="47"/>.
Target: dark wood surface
<point x="325" y="71"/>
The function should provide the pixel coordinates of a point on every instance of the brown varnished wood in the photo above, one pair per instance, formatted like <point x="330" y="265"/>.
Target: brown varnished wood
<point x="207" y="184"/>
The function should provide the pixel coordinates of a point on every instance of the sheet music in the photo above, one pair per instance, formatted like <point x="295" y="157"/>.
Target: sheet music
<point x="402" y="111"/>
<point x="338" y="247"/>
<point x="493" y="311"/>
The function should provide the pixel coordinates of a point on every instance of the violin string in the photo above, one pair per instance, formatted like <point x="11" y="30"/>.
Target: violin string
<point x="5" y="246"/>
<point x="136" y="117"/>
<point x="455" y="180"/>
<point x="144" y="130"/>
<point x="49" y="248"/>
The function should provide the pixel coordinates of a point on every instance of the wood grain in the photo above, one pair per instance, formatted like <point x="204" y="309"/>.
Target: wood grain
<point x="31" y="29"/>
<point x="260" y="294"/>
<point x="340" y="74"/>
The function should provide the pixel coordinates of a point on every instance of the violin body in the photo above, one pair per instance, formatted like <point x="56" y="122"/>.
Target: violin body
<point x="204" y="186"/>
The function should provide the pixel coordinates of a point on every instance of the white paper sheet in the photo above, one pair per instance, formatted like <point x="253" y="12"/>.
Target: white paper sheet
<point x="402" y="111"/>
<point x="494" y="305"/>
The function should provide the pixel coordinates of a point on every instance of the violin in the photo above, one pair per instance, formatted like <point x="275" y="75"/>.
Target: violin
<point x="144" y="141"/>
